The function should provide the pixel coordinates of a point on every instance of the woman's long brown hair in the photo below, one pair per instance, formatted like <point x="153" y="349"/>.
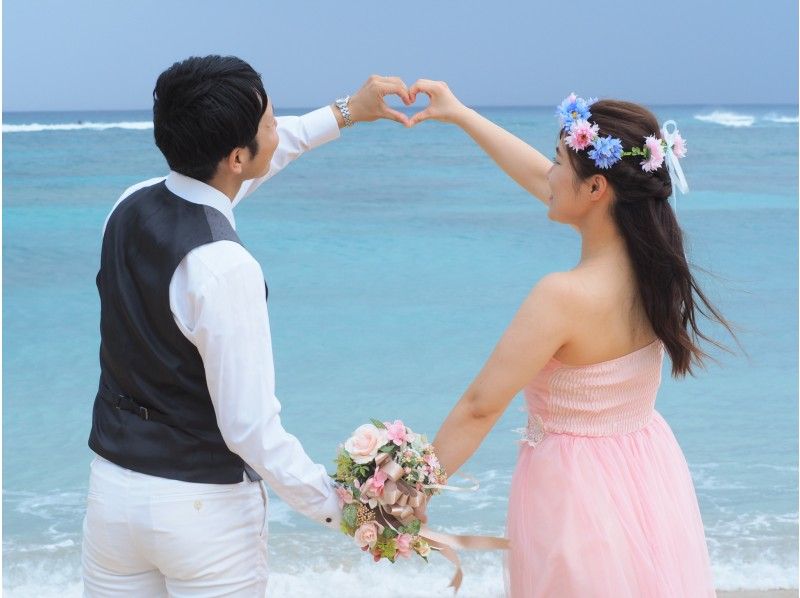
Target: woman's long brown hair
<point x="669" y="292"/>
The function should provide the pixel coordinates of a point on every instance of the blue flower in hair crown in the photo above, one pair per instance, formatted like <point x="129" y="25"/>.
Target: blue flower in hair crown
<point x="582" y="134"/>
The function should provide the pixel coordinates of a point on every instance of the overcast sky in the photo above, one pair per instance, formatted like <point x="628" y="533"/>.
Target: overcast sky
<point x="82" y="54"/>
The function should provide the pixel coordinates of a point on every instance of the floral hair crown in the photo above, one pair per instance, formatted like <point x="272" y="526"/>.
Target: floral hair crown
<point x="582" y="134"/>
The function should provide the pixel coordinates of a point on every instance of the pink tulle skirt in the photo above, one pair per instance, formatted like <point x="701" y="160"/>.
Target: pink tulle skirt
<point x="610" y="516"/>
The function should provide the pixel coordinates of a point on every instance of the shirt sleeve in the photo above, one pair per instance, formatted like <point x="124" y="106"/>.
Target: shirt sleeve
<point x="218" y="299"/>
<point x="296" y="135"/>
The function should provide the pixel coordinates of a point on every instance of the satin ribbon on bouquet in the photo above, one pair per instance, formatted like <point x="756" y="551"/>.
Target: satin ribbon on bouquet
<point x="399" y="500"/>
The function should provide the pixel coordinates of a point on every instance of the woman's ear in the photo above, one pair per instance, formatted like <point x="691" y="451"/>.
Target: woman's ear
<point x="598" y="186"/>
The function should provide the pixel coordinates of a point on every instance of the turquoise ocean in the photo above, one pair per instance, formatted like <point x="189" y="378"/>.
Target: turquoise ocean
<point x="395" y="258"/>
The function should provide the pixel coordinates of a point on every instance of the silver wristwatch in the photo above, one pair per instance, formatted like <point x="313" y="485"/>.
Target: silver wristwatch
<point x="342" y="105"/>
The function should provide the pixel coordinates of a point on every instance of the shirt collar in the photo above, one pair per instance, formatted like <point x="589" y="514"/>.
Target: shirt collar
<point x="200" y="193"/>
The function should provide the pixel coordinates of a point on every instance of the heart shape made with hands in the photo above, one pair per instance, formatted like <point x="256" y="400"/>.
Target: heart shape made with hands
<point x="441" y="99"/>
<point x="408" y="98"/>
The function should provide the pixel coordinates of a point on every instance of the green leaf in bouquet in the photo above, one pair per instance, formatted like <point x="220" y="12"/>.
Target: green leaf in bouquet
<point x="388" y="533"/>
<point x="413" y="527"/>
<point x="388" y="448"/>
<point x="349" y="515"/>
<point x="378" y="424"/>
<point x="346" y="529"/>
<point x="344" y="468"/>
<point x="388" y="549"/>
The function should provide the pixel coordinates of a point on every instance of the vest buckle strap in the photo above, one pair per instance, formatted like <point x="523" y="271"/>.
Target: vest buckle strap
<point x="126" y="403"/>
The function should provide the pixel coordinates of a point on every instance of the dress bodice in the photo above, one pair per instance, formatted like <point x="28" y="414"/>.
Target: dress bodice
<point x="600" y="399"/>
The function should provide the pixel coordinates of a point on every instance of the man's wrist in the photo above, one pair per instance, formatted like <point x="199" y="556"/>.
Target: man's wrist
<point x="342" y="110"/>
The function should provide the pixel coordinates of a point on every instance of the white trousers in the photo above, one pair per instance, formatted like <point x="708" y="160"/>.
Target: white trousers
<point x="151" y="537"/>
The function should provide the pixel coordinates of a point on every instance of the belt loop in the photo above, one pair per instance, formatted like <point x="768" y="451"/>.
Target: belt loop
<point x="143" y="413"/>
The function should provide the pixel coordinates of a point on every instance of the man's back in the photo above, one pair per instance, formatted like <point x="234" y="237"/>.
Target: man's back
<point x="153" y="400"/>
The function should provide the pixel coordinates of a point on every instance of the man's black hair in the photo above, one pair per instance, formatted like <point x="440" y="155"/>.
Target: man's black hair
<point x="204" y="108"/>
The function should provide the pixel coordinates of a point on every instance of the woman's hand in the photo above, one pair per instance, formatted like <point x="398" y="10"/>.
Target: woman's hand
<point x="444" y="105"/>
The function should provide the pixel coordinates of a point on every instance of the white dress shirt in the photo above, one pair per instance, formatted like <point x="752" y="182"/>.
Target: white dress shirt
<point x="217" y="299"/>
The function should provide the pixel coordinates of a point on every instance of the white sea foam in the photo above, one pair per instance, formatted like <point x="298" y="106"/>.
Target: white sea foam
<point x="37" y="127"/>
<point x="57" y="506"/>
<point x="781" y="118"/>
<point x="761" y="574"/>
<point x="727" y="119"/>
<point x="703" y="480"/>
<point x="483" y="578"/>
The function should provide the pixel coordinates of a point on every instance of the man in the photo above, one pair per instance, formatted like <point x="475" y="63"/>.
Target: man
<point x="186" y="423"/>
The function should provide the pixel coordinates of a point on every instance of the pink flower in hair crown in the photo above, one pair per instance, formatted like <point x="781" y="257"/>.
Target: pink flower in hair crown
<point x="581" y="134"/>
<point x="655" y="158"/>
<point x="679" y="145"/>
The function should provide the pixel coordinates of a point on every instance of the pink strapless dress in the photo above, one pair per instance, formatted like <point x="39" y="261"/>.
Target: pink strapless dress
<point x="602" y="502"/>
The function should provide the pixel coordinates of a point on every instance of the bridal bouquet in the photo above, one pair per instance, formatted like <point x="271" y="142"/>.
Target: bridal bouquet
<point x="383" y="472"/>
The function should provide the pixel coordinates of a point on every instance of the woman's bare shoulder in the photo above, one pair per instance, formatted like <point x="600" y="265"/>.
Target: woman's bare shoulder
<point x="570" y="286"/>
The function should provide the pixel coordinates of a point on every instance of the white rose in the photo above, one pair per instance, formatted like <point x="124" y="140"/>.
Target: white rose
<point x="365" y="442"/>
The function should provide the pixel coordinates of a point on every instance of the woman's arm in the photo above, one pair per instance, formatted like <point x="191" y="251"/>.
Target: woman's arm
<point x="519" y="160"/>
<point x="539" y="329"/>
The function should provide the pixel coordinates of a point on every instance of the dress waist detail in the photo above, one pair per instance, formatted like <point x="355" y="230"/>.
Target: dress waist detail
<point x="603" y="399"/>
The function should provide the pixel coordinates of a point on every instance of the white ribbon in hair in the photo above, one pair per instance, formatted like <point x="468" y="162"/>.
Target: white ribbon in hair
<point x="673" y="165"/>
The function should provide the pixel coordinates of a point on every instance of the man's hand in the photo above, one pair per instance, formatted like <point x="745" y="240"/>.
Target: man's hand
<point x="368" y="103"/>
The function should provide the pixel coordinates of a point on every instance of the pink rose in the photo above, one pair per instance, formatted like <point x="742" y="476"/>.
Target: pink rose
<point x="345" y="496"/>
<point x="374" y="485"/>
<point x="365" y="442"/>
<point x="404" y="542"/>
<point x="396" y="432"/>
<point x="367" y="534"/>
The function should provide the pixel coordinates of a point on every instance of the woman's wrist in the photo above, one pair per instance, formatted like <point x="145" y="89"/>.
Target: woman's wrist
<point x="462" y="116"/>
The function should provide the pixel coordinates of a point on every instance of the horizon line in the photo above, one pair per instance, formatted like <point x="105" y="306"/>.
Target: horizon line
<point x="477" y="106"/>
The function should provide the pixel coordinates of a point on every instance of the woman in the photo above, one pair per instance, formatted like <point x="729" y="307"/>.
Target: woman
<point x="602" y="503"/>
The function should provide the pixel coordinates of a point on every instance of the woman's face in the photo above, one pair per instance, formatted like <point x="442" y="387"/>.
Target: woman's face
<point x="569" y="199"/>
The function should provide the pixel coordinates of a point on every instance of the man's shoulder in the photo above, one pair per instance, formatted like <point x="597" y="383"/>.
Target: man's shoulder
<point x="221" y="260"/>
<point x="134" y="188"/>
<point x="130" y="191"/>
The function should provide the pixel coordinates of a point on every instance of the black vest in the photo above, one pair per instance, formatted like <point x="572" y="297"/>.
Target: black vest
<point x="152" y="412"/>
